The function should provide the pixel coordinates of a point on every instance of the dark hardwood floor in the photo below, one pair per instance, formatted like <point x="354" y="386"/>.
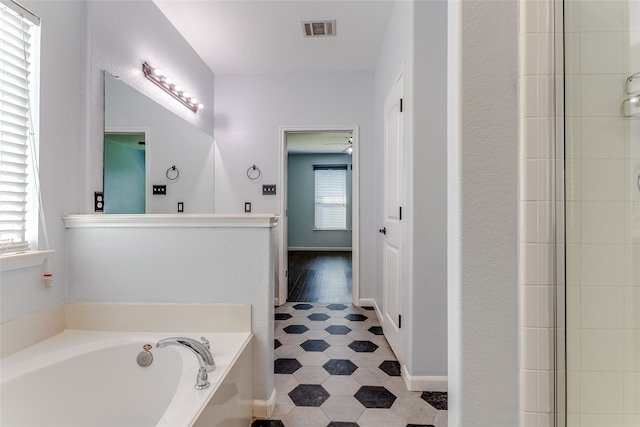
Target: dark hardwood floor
<point x="320" y="277"/>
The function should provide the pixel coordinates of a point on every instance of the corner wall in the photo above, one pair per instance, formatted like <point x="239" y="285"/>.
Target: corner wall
<point x="482" y="211"/>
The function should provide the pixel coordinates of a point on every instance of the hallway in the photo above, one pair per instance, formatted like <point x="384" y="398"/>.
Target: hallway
<point x="323" y="276"/>
<point x="334" y="368"/>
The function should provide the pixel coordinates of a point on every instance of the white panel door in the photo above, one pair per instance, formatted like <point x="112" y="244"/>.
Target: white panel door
<point x="392" y="229"/>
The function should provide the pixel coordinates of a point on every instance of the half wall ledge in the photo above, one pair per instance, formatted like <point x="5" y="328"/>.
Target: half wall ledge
<point x="171" y="221"/>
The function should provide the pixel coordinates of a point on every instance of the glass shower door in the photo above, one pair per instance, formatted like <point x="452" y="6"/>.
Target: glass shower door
<point x="602" y="175"/>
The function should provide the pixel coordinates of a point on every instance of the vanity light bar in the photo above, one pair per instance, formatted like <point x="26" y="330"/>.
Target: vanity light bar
<point x="171" y="87"/>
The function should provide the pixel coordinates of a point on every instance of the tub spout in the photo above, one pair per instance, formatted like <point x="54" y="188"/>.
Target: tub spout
<point x="202" y="352"/>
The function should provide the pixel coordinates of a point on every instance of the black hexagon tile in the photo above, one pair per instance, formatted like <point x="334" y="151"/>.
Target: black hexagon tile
<point x="267" y="423"/>
<point x="437" y="399"/>
<point x="340" y="367"/>
<point x="390" y="367"/>
<point x="283" y="316"/>
<point x="375" y="397"/>
<point x="303" y="306"/>
<point x="337" y="307"/>
<point x="309" y="395"/>
<point x="356" y="317"/>
<point x="342" y="424"/>
<point x="286" y="366"/>
<point x="318" y="317"/>
<point x="296" y="329"/>
<point x="376" y="330"/>
<point x="420" y="425"/>
<point x="315" y="345"/>
<point x="363" y="346"/>
<point x="338" y="329"/>
<point x="368" y="308"/>
<point x="276" y="344"/>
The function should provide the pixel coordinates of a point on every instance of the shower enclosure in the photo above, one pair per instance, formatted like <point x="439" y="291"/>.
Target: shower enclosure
<point x="601" y="217"/>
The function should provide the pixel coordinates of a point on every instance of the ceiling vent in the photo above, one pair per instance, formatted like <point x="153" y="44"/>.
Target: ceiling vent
<point x="319" y="28"/>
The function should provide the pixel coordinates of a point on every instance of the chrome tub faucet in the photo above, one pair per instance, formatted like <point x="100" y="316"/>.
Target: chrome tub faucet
<point x="202" y="352"/>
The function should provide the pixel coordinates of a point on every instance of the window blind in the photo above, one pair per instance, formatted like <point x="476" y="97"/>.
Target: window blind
<point x="330" y="197"/>
<point x="15" y="70"/>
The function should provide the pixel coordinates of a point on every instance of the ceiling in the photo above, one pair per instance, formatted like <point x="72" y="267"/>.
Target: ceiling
<point x="317" y="142"/>
<point x="266" y="36"/>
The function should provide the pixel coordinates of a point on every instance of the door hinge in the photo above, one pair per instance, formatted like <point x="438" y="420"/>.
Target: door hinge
<point x="401" y="105"/>
<point x="400" y="214"/>
<point x="286" y="273"/>
<point x="399" y="321"/>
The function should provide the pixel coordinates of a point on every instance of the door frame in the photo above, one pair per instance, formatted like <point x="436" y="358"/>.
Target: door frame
<point x="355" y="208"/>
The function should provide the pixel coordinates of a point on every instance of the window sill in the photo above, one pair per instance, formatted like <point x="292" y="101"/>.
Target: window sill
<point x="23" y="260"/>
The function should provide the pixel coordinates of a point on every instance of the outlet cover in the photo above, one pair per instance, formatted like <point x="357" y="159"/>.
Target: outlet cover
<point x="269" y="190"/>
<point x="98" y="201"/>
<point x="159" y="190"/>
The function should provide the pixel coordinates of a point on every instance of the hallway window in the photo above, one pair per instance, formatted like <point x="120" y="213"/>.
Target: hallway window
<point x="19" y="47"/>
<point x="331" y="197"/>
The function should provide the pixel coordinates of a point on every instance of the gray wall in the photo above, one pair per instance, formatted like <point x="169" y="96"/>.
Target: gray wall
<point x="300" y="203"/>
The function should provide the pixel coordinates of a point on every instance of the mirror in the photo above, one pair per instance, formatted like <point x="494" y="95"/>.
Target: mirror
<point x="147" y="146"/>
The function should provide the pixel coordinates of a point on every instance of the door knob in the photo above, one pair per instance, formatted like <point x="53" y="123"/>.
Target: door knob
<point x="383" y="230"/>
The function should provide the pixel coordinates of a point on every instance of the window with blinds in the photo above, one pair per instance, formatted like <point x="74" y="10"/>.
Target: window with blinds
<point x="330" y="197"/>
<point x="18" y="33"/>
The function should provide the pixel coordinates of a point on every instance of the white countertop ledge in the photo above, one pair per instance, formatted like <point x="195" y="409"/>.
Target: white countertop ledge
<point x="171" y="221"/>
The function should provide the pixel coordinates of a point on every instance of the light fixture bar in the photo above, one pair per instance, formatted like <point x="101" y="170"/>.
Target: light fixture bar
<point x="172" y="88"/>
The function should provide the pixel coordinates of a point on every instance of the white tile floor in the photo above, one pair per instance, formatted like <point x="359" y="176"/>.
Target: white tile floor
<point x="334" y="376"/>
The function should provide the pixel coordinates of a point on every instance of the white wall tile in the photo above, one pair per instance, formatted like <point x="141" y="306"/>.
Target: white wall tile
<point x="528" y="343"/>
<point x="601" y="94"/>
<point x="529" y="138"/>
<point x="632" y="349"/>
<point x="601" y="53"/>
<point x="601" y="350"/>
<point x="603" y="138"/>
<point x="603" y="179"/>
<point x="602" y="307"/>
<point x="602" y="265"/>
<point x="632" y="393"/>
<point x="632" y="308"/>
<point x="601" y="392"/>
<point x="603" y="222"/>
<point x="601" y="15"/>
<point x="529" y="390"/>
<point x="528" y="222"/>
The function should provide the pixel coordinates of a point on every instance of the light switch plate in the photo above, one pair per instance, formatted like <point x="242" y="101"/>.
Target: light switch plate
<point x="269" y="190"/>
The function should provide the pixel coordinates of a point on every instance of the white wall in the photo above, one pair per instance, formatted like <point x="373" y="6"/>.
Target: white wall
<point x="482" y="206"/>
<point x="60" y="136"/>
<point x="415" y="43"/>
<point x="181" y="265"/>
<point x="249" y="111"/>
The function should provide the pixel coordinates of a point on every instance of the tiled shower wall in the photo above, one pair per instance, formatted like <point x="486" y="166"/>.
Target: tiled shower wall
<point x="602" y="219"/>
<point x="540" y="142"/>
<point x="603" y="215"/>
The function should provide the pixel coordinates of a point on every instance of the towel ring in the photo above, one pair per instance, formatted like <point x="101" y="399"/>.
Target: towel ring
<point x="253" y="173"/>
<point x="173" y="173"/>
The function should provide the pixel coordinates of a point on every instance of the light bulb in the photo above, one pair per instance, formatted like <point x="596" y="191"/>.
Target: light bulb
<point x="157" y="72"/>
<point x="186" y="95"/>
<point x="193" y="101"/>
<point x="200" y="106"/>
<point x="177" y="88"/>
<point x="168" y="81"/>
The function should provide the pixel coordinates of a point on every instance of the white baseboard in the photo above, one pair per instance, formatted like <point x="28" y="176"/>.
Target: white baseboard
<point x="424" y="383"/>
<point x="264" y="408"/>
<point x="320" y="249"/>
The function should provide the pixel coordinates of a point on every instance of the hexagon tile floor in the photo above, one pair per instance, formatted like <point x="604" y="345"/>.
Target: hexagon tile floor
<point x="334" y="368"/>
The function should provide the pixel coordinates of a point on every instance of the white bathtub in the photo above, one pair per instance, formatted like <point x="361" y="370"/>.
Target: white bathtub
<point x="91" y="378"/>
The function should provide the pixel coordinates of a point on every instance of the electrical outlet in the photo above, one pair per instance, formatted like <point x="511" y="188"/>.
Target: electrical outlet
<point x="247" y="207"/>
<point x="159" y="190"/>
<point x="180" y="207"/>
<point x="269" y="190"/>
<point x="98" y="201"/>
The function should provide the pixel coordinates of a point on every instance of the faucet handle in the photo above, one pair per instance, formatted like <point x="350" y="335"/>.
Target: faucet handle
<point x="205" y="342"/>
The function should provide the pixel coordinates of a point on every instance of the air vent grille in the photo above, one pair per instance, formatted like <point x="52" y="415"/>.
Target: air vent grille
<point x="319" y="28"/>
